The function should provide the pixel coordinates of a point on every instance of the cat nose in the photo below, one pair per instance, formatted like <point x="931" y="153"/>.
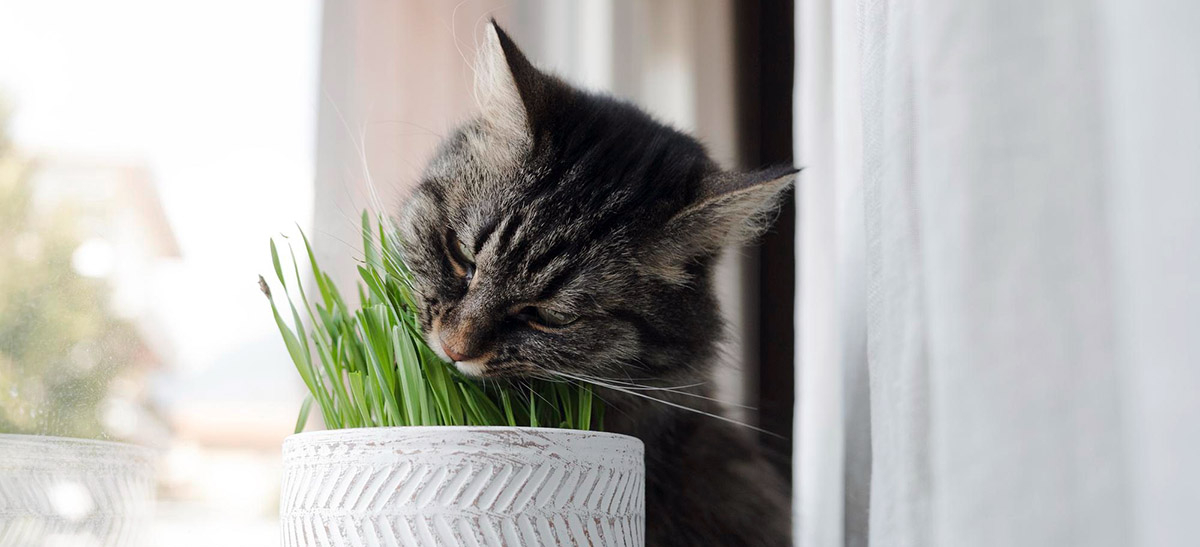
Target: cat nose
<point x="453" y="355"/>
<point x="463" y="340"/>
<point x="456" y="347"/>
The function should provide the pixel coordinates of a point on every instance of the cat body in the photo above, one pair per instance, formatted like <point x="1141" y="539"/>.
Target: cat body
<point x="567" y="235"/>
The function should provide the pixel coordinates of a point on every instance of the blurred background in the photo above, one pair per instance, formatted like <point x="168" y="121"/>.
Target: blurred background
<point x="149" y="151"/>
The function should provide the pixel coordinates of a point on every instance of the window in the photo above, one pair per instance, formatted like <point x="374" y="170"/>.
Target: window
<point x="150" y="150"/>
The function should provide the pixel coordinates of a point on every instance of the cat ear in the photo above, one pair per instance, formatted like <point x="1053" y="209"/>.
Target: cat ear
<point x="733" y="208"/>
<point x="511" y="91"/>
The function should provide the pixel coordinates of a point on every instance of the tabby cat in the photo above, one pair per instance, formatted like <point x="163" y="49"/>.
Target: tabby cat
<point x="565" y="234"/>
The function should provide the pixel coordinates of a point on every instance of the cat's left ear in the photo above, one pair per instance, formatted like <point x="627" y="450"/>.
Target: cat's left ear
<point x="514" y="94"/>
<point x="733" y="208"/>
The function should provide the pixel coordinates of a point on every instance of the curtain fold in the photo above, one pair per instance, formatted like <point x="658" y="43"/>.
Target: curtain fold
<point x="1152" y="86"/>
<point x="896" y="338"/>
<point x="1027" y="179"/>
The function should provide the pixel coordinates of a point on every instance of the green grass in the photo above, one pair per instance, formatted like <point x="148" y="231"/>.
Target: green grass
<point x="370" y="366"/>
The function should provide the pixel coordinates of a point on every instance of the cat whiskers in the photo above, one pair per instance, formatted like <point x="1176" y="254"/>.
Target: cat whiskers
<point x="631" y="385"/>
<point x="360" y="146"/>
<point x="637" y="393"/>
<point x="677" y="390"/>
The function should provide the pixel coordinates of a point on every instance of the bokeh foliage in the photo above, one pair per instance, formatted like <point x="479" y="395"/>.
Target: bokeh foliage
<point x="60" y="346"/>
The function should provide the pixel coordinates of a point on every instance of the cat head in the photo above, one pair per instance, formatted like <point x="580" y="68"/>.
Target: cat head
<point x="561" y="231"/>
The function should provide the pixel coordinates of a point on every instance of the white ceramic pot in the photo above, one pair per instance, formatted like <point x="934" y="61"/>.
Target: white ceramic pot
<point x="449" y="486"/>
<point x="57" y="491"/>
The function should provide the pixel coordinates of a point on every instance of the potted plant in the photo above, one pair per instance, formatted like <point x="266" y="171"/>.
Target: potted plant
<point x="62" y="491"/>
<point x="417" y="454"/>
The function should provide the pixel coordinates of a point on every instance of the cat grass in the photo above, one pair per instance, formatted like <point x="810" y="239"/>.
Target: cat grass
<point x="369" y="366"/>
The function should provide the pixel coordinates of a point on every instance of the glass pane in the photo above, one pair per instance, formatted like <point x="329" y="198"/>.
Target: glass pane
<point x="149" y="150"/>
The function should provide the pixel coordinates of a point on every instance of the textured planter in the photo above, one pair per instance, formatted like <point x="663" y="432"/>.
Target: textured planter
<point x="448" y="486"/>
<point x="56" y="491"/>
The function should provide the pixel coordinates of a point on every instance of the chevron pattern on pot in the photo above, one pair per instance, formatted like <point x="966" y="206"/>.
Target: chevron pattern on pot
<point x="509" y="488"/>
<point x="76" y="491"/>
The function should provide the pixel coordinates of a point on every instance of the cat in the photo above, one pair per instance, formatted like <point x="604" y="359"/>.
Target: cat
<point x="565" y="234"/>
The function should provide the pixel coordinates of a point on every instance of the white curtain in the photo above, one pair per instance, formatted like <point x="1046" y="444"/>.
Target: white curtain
<point x="999" y="289"/>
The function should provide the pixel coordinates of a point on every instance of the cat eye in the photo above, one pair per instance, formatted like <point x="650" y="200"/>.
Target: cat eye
<point x="548" y="317"/>
<point x="465" y="252"/>
<point x="461" y="255"/>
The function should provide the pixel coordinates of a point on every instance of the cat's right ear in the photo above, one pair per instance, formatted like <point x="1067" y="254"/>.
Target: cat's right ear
<point x="513" y="94"/>
<point x="732" y="209"/>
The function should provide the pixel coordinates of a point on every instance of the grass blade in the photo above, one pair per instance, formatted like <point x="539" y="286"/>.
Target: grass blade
<point x="585" y="408"/>
<point x="302" y="419"/>
<point x="375" y="366"/>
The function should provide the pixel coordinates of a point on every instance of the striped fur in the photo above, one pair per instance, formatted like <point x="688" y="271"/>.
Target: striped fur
<point x="585" y="205"/>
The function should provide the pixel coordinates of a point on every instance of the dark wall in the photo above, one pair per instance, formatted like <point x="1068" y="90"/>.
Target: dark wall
<point x="765" y="52"/>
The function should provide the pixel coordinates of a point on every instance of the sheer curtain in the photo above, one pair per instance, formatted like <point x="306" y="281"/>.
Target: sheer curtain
<point x="999" y="307"/>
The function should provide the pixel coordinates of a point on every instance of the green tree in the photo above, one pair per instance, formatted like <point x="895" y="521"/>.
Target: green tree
<point x="60" y="346"/>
